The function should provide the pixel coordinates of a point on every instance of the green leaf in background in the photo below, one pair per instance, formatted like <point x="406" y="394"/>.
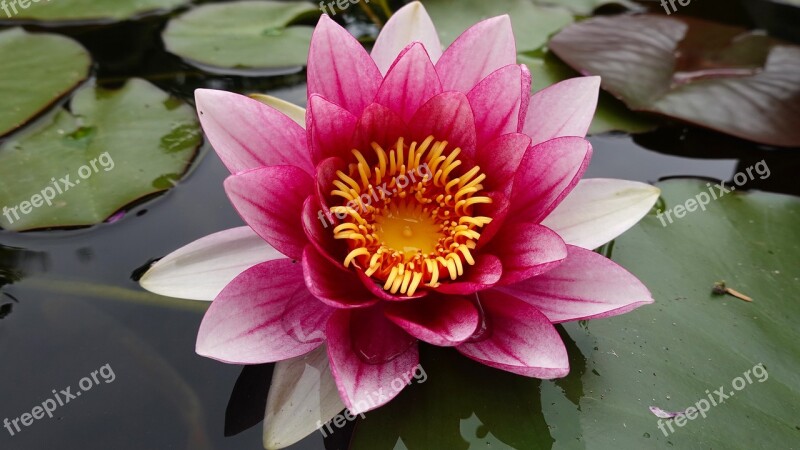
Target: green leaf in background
<point x="671" y="354"/>
<point x="586" y="7"/>
<point x="37" y="70"/>
<point x="611" y="114"/>
<point x="84" y="11"/>
<point x="115" y="146"/>
<point x="242" y="35"/>
<point x="533" y="24"/>
<point x="717" y="76"/>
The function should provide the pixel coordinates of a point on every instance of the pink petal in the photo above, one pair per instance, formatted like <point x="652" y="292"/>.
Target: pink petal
<point x="410" y="83"/>
<point x="563" y="109"/>
<point x="586" y="285"/>
<point x="332" y="284"/>
<point x="500" y="158"/>
<point x="498" y="211"/>
<point x="479" y="51"/>
<point x="527" y="249"/>
<point x="484" y="274"/>
<point x="318" y="225"/>
<point x="247" y="134"/>
<point x="375" y="339"/>
<point x="302" y="396"/>
<point x="598" y="210"/>
<point x="448" y="117"/>
<point x="495" y="102"/>
<point x="441" y="320"/>
<point x="525" y="96"/>
<point x="378" y="124"/>
<point x="364" y="385"/>
<point x="330" y="129"/>
<point x="339" y="68"/>
<point x="408" y="24"/>
<point x="270" y="200"/>
<point x="325" y="176"/>
<point x="244" y="324"/>
<point x="305" y="321"/>
<point x="519" y="339"/>
<point x="547" y="173"/>
<point x="201" y="269"/>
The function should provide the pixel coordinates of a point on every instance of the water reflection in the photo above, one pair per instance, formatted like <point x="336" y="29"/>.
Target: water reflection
<point x="696" y="143"/>
<point x="17" y="263"/>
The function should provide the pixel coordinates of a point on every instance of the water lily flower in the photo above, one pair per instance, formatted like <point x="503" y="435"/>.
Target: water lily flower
<point x="424" y="195"/>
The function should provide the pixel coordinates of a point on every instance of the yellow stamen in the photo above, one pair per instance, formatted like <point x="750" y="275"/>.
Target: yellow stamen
<point x="409" y="214"/>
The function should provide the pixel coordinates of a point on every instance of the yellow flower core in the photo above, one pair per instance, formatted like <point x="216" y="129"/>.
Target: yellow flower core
<point x="407" y="218"/>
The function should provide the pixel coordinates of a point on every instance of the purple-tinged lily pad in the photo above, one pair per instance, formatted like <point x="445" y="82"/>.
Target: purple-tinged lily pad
<point x="720" y="77"/>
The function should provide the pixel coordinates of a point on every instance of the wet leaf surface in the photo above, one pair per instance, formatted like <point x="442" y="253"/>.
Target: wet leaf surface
<point x="36" y="71"/>
<point x="242" y="35"/>
<point x="79" y="167"/>
<point x="67" y="12"/>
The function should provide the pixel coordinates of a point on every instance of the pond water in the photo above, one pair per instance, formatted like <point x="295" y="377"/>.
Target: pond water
<point x="71" y="304"/>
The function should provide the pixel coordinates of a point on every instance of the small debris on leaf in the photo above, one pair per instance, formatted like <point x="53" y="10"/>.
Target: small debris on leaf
<point x="721" y="289"/>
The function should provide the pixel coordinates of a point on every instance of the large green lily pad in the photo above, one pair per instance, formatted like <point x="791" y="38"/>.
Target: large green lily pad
<point x="532" y="23"/>
<point x="110" y="149"/>
<point x="243" y="35"/>
<point x="85" y="11"/>
<point x="37" y="70"/>
<point x="716" y="76"/>
<point x="670" y="355"/>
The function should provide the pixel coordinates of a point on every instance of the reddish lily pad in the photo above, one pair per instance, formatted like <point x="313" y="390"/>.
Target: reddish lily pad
<point x="611" y="114"/>
<point x="716" y="76"/>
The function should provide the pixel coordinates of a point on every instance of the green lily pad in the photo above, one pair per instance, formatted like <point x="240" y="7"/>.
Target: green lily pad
<point x="533" y="24"/>
<point x="670" y="355"/>
<point x="611" y="114"/>
<point x="243" y="35"/>
<point x="84" y="11"/>
<point x="78" y="167"/>
<point x="717" y="76"/>
<point x="586" y="7"/>
<point x="37" y="70"/>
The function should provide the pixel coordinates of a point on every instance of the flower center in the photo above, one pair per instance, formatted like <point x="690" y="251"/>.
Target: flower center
<point x="407" y="216"/>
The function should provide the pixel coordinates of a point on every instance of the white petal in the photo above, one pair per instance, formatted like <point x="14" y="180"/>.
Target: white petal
<point x="200" y="270"/>
<point x="409" y="24"/>
<point x="598" y="210"/>
<point x="302" y="398"/>
<point x="293" y="111"/>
